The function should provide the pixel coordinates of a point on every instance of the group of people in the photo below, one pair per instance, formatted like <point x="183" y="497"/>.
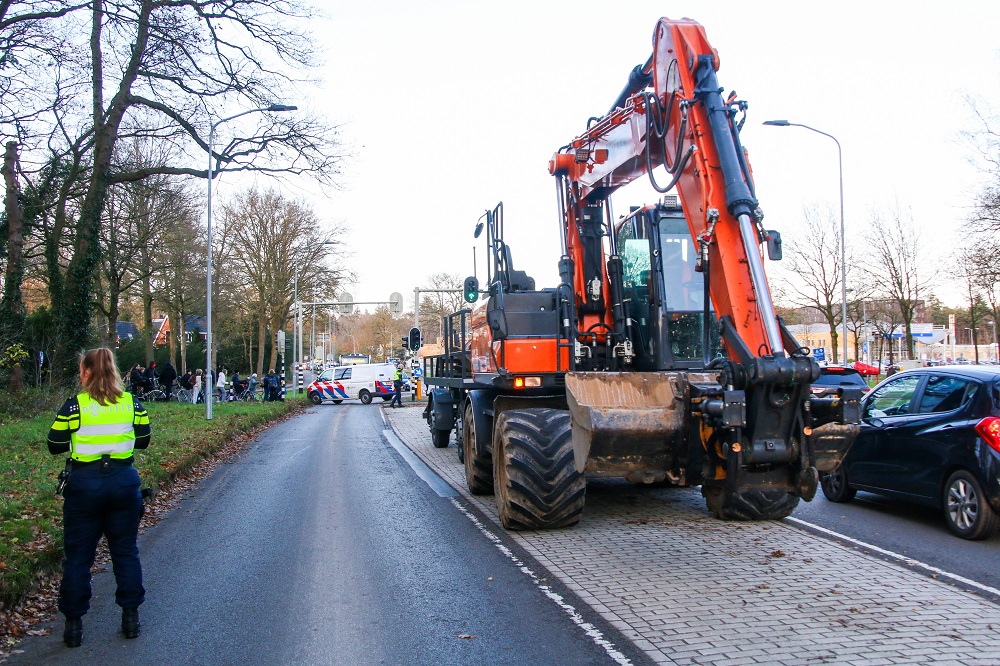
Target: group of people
<point x="198" y="382"/>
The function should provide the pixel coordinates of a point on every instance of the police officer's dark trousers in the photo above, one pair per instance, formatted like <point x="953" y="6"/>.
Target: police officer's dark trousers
<point x="397" y="397"/>
<point x="106" y="500"/>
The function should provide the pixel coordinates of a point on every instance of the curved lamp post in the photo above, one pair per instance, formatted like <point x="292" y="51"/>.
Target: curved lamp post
<point x="843" y="246"/>
<point x="208" y="300"/>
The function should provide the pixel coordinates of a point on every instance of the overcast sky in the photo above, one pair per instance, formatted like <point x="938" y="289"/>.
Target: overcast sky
<point x="451" y="107"/>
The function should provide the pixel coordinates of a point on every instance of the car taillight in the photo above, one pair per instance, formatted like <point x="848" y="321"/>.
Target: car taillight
<point x="989" y="430"/>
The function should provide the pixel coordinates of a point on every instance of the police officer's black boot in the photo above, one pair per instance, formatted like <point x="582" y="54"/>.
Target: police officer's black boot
<point x="130" y="622"/>
<point x="73" y="634"/>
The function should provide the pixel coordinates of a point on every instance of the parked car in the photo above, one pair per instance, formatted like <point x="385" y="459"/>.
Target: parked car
<point x="930" y="436"/>
<point x="833" y="377"/>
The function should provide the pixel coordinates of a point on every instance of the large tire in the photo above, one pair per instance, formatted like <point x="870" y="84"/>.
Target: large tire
<point x="365" y="397"/>
<point x="478" y="467"/>
<point x="440" y="438"/>
<point x="835" y="486"/>
<point x="315" y="398"/>
<point x="966" y="509"/>
<point x="536" y="482"/>
<point x="751" y="505"/>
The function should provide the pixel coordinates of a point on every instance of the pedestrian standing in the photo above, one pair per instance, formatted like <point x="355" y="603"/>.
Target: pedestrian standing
<point x="167" y="376"/>
<point x="197" y="387"/>
<point x="220" y="384"/>
<point x="100" y="427"/>
<point x="397" y="385"/>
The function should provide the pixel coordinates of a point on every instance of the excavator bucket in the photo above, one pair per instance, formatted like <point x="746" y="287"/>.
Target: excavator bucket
<point x="626" y="423"/>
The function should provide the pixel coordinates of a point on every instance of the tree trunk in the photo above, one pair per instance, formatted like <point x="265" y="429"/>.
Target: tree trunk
<point x="147" y="317"/>
<point x="261" y="333"/>
<point x="114" y="297"/>
<point x="12" y="304"/>
<point x="172" y="340"/>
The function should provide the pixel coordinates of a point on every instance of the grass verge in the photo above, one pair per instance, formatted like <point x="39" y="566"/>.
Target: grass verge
<point x="31" y="512"/>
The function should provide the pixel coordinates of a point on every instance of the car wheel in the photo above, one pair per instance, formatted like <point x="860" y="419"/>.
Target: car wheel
<point x="365" y="397"/>
<point x="966" y="510"/>
<point x="835" y="486"/>
<point x="316" y="398"/>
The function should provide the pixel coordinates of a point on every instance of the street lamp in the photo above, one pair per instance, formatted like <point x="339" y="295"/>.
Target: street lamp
<point x="208" y="252"/>
<point x="843" y="246"/>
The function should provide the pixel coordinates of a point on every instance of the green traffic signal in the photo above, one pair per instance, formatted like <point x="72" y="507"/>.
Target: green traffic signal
<point x="471" y="289"/>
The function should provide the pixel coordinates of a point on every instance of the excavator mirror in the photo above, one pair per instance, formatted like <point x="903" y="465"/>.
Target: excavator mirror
<point x="774" y="245"/>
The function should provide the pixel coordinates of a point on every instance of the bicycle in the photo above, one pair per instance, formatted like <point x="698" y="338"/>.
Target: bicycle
<point x="181" y="395"/>
<point x="250" y="395"/>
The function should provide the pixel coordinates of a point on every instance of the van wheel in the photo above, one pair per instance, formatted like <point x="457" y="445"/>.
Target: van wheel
<point x="365" y="397"/>
<point x="966" y="510"/>
<point x="316" y="398"/>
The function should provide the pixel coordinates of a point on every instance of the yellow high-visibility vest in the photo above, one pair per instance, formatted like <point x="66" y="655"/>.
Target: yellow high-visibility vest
<point x="104" y="429"/>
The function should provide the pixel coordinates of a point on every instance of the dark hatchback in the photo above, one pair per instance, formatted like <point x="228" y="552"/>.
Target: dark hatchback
<point x="931" y="436"/>
<point x="834" y="377"/>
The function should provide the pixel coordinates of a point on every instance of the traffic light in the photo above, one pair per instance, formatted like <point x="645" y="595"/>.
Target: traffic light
<point x="471" y="289"/>
<point x="279" y="341"/>
<point x="412" y="342"/>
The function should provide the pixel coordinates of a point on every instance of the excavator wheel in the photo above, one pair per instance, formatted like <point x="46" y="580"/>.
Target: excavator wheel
<point x="478" y="467"/>
<point x="751" y="505"/>
<point x="536" y="482"/>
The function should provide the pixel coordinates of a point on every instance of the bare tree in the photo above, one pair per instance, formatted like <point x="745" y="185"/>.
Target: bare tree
<point x="169" y="69"/>
<point x="819" y="273"/>
<point x="270" y="235"/>
<point x="444" y="296"/>
<point x="898" y="264"/>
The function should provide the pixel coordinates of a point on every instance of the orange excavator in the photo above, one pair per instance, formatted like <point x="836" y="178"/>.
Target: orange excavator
<point x="659" y="357"/>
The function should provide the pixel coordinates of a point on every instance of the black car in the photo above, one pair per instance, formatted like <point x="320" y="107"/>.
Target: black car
<point x="931" y="436"/>
<point x="833" y="377"/>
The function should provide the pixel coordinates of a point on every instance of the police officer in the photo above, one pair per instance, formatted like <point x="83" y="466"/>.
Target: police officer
<point x="99" y="428"/>
<point x="397" y="385"/>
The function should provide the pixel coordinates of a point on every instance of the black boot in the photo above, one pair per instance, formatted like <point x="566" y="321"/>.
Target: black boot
<point x="73" y="633"/>
<point x="130" y="622"/>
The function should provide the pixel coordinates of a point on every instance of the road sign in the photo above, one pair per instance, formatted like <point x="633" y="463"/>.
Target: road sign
<point x="819" y="353"/>
<point x="348" y="303"/>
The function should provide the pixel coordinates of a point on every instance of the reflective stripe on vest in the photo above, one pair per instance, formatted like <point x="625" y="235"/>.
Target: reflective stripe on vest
<point x="104" y="429"/>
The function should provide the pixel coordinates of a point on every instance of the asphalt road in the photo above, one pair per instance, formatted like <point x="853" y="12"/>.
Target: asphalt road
<point x="909" y="530"/>
<point x="320" y="545"/>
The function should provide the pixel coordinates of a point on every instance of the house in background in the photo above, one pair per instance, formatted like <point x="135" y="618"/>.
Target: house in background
<point x="192" y="324"/>
<point x="127" y="331"/>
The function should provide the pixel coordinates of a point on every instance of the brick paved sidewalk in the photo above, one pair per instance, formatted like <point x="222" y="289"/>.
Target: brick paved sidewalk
<point x="689" y="589"/>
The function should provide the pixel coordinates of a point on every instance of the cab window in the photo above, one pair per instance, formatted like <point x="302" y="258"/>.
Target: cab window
<point x="946" y="394"/>
<point x="326" y="376"/>
<point x="893" y="398"/>
<point x="342" y="373"/>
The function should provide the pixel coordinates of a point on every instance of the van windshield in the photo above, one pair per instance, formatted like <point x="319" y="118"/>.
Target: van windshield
<point x="326" y="376"/>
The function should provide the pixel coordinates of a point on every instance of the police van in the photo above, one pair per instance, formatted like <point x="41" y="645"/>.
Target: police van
<point x="353" y="382"/>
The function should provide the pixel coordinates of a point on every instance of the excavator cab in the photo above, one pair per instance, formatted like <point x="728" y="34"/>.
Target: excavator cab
<point x="673" y="324"/>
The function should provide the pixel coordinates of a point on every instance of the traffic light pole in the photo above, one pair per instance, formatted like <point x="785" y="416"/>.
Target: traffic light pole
<point x="416" y="300"/>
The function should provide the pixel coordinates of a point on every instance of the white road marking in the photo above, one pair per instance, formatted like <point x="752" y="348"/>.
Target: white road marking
<point x="593" y="632"/>
<point x="437" y="484"/>
<point x="902" y="558"/>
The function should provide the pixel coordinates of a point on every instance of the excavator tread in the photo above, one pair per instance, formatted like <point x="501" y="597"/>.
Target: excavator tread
<point x="535" y="477"/>
<point x="749" y="505"/>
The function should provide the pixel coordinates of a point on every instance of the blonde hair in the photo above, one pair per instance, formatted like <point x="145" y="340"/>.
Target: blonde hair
<point x="102" y="382"/>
